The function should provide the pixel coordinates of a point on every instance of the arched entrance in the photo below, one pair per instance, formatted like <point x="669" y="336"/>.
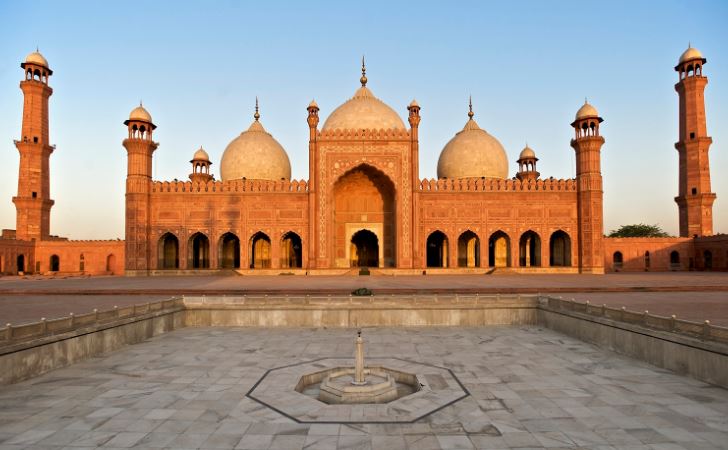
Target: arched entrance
<point x="364" y="199"/>
<point x="708" y="259"/>
<point x="55" y="263"/>
<point x="229" y="251"/>
<point x="198" y="250"/>
<point x="291" y="251"/>
<point x="260" y="251"/>
<point x="499" y="250"/>
<point x="364" y="249"/>
<point x="468" y="250"/>
<point x="168" y="252"/>
<point x="560" y="249"/>
<point x="111" y="264"/>
<point x="81" y="263"/>
<point x="529" y="250"/>
<point x="437" y="249"/>
<point x="617" y="260"/>
<point x="674" y="260"/>
<point x="20" y="260"/>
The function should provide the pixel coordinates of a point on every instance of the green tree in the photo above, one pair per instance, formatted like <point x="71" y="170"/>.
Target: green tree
<point x="638" y="230"/>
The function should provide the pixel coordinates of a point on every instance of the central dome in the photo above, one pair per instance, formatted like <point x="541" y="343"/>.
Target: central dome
<point x="255" y="155"/>
<point x="364" y="112"/>
<point x="472" y="153"/>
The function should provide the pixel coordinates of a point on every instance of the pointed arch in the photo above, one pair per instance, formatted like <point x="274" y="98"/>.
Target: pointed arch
<point x="229" y="251"/>
<point x="560" y="249"/>
<point x="364" y="249"/>
<point x="291" y="251"/>
<point x="168" y="252"/>
<point x="437" y="249"/>
<point x="20" y="263"/>
<point x="468" y="249"/>
<point x="55" y="263"/>
<point x="111" y="264"/>
<point x="260" y="251"/>
<point x="529" y="249"/>
<point x="499" y="249"/>
<point x="198" y="251"/>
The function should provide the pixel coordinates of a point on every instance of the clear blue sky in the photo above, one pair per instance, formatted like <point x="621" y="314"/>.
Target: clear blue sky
<point x="198" y="67"/>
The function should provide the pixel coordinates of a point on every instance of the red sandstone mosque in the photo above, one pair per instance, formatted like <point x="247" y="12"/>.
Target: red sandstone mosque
<point x="364" y="203"/>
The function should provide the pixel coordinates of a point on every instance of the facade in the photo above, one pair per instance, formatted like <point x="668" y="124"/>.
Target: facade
<point x="364" y="204"/>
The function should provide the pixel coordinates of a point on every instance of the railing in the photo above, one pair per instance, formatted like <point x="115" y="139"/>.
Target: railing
<point x="14" y="333"/>
<point x="704" y="331"/>
<point x="396" y="300"/>
<point x="282" y="186"/>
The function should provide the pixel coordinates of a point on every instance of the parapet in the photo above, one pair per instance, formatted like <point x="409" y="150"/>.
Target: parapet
<point x="497" y="185"/>
<point x="242" y="185"/>
<point x="355" y="134"/>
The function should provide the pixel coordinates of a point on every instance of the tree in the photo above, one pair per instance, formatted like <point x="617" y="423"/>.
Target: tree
<point x="638" y="230"/>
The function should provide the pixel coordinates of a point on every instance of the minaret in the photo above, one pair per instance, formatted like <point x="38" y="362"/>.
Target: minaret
<point x="313" y="121"/>
<point x="33" y="203"/>
<point x="527" y="165"/>
<point x="694" y="200"/>
<point x="588" y="144"/>
<point x="139" y="147"/>
<point x="200" y="167"/>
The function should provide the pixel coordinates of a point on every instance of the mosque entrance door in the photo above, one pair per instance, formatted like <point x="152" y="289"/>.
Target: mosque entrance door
<point x="364" y="249"/>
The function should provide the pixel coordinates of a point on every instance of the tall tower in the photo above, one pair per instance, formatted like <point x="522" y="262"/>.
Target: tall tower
<point x="33" y="203"/>
<point x="694" y="200"/>
<point x="588" y="145"/>
<point x="139" y="147"/>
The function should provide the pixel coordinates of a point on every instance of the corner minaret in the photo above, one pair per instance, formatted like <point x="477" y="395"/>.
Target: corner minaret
<point x="694" y="200"/>
<point x="33" y="203"/>
<point x="139" y="147"/>
<point x="588" y="145"/>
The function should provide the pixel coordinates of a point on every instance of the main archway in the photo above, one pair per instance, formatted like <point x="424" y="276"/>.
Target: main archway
<point x="364" y="250"/>
<point x="364" y="200"/>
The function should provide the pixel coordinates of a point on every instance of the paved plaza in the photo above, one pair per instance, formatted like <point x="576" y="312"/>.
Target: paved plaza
<point x="529" y="388"/>
<point x="693" y="296"/>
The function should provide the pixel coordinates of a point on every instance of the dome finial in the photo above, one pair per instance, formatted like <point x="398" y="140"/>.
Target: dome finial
<point x="470" y="108"/>
<point x="363" y="78"/>
<point x="256" y="116"/>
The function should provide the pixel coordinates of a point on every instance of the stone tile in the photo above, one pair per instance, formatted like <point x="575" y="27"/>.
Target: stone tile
<point x="454" y="442"/>
<point x="255" y="441"/>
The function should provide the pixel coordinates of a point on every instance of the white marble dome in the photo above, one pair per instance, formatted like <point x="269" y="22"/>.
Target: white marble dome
<point x="690" y="54"/>
<point x="201" y="155"/>
<point x="255" y="155"/>
<point x="586" y="111"/>
<point x="473" y="153"/>
<point x="140" y="114"/>
<point x="364" y="111"/>
<point x="36" y="58"/>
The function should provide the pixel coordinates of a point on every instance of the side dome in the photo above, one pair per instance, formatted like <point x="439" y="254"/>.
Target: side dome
<point x="364" y="111"/>
<point x="472" y="153"/>
<point x="36" y="58"/>
<point x="255" y="155"/>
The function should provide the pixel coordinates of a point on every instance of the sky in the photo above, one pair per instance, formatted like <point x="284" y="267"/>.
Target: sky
<point x="198" y="67"/>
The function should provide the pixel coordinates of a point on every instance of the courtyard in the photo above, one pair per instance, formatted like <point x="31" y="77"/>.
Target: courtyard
<point x="527" y="386"/>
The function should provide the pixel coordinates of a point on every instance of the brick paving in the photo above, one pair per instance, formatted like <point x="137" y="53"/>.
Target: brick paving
<point x="690" y="295"/>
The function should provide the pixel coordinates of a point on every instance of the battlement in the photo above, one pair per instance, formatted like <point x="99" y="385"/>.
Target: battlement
<point x="497" y="185"/>
<point x="282" y="186"/>
<point x="354" y="134"/>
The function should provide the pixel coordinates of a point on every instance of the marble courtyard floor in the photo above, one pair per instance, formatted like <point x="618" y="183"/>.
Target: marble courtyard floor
<point x="529" y="388"/>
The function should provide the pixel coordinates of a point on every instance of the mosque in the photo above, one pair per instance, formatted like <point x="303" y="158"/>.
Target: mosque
<point x="364" y="207"/>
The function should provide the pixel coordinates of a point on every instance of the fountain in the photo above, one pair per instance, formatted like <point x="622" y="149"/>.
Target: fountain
<point x="360" y="384"/>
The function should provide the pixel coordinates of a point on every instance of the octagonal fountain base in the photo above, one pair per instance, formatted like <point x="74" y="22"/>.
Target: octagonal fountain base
<point x="335" y="386"/>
